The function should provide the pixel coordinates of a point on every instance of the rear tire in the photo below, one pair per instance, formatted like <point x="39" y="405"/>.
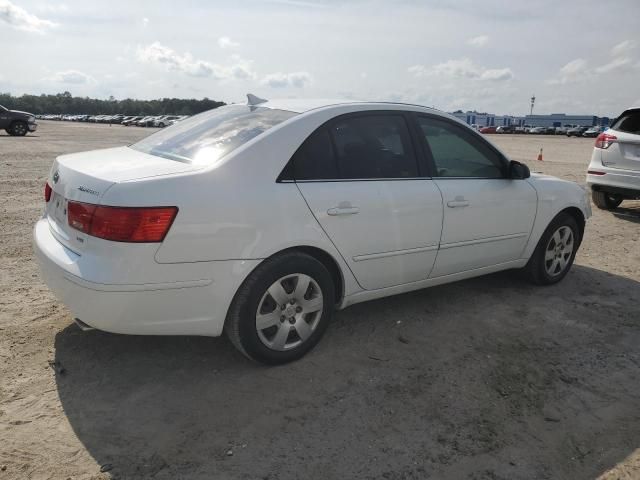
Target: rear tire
<point x="606" y="201"/>
<point x="556" y="250"/>
<point x="282" y="309"/>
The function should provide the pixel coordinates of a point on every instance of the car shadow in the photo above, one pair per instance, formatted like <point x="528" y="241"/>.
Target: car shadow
<point x="485" y="378"/>
<point x="629" y="211"/>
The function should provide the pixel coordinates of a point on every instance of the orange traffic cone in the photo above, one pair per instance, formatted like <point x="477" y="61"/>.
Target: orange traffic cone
<point x="540" y="156"/>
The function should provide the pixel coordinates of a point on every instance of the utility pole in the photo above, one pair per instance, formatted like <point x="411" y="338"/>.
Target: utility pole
<point x="533" y="101"/>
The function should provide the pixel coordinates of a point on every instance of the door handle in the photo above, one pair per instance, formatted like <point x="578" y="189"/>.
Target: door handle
<point x="458" y="202"/>
<point x="343" y="211"/>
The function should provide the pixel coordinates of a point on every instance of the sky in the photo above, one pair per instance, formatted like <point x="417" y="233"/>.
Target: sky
<point x="575" y="56"/>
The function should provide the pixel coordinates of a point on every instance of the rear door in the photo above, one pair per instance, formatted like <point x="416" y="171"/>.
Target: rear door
<point x="360" y="176"/>
<point x="624" y="152"/>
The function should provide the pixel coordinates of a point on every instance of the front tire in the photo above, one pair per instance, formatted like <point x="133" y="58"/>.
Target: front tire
<point x="282" y="309"/>
<point x="606" y="201"/>
<point x="18" y="129"/>
<point x="556" y="250"/>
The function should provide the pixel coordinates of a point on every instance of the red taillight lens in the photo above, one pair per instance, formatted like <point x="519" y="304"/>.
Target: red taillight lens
<point x="605" y="140"/>
<point x="80" y="215"/>
<point x="122" y="224"/>
<point x="47" y="192"/>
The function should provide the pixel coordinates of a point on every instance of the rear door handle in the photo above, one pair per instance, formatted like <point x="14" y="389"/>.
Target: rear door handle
<point x="458" y="202"/>
<point x="343" y="211"/>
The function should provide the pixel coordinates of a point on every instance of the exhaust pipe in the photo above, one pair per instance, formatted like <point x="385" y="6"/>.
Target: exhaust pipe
<point x="83" y="326"/>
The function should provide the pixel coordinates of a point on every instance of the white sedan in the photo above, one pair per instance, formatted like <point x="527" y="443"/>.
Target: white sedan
<point x="261" y="220"/>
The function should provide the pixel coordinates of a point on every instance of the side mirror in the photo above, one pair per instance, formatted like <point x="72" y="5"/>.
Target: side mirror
<point x="518" y="171"/>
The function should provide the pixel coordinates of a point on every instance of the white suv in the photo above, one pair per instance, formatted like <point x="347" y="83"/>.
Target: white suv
<point x="614" y="171"/>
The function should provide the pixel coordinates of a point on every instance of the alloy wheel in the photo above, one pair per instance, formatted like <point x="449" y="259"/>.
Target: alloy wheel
<point x="289" y="312"/>
<point x="558" y="252"/>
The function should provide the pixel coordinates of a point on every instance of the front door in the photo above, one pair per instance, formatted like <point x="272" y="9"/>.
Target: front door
<point x="487" y="216"/>
<point x="360" y="177"/>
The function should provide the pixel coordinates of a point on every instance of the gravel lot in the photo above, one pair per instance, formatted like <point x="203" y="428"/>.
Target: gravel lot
<point x="489" y="378"/>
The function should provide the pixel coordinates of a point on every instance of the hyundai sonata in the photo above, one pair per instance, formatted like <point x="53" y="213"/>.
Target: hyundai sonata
<point x="261" y="220"/>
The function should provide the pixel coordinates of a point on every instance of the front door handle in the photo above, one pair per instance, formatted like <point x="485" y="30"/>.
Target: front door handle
<point x="343" y="211"/>
<point x="458" y="202"/>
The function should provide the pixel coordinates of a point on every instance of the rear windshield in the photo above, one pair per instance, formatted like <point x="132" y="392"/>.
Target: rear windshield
<point x="629" y="122"/>
<point x="205" y="138"/>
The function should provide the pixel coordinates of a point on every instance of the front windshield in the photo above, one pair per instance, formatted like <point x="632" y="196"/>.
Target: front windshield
<point x="207" y="137"/>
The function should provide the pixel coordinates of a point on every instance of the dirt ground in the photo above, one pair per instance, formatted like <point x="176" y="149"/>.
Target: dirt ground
<point x="488" y="378"/>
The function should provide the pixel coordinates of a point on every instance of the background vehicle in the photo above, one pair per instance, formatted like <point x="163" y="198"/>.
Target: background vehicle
<point x="577" y="131"/>
<point x="538" y="130"/>
<point x="592" y="132"/>
<point x="164" y="120"/>
<point x="506" y="129"/>
<point x="488" y="129"/>
<point x="17" y="123"/>
<point x="614" y="171"/>
<point x="197" y="258"/>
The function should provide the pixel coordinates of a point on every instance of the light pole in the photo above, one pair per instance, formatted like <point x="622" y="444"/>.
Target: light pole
<point x="533" y="101"/>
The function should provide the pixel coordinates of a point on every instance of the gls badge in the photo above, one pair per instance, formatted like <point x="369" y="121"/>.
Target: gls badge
<point x="56" y="177"/>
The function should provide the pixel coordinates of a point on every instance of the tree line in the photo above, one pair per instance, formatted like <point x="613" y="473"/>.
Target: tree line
<point x="68" y="104"/>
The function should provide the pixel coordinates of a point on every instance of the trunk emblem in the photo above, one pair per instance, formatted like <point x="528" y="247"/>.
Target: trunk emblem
<point x="56" y="177"/>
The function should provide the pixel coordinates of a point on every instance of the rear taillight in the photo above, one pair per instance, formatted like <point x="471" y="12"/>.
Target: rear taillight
<point x="47" y="192"/>
<point x="121" y="224"/>
<point x="605" y="140"/>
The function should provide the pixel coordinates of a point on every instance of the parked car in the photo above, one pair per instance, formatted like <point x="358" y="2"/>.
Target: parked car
<point x="538" y="130"/>
<point x="487" y="130"/>
<point x="614" y="171"/>
<point x="506" y="129"/>
<point x="164" y="121"/>
<point x="270" y="265"/>
<point x="131" y="121"/>
<point x="17" y="123"/>
<point x="577" y="131"/>
<point x="593" y="132"/>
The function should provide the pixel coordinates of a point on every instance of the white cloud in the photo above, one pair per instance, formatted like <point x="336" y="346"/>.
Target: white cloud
<point x="462" y="68"/>
<point x="479" y="41"/>
<point x="572" y="72"/>
<point x="52" y="8"/>
<point x="19" y="18"/>
<point x="617" y="64"/>
<point x="145" y="21"/>
<point x="74" y="77"/>
<point x="623" y="48"/>
<point x="282" y="80"/>
<point x="158" y="54"/>
<point x="226" y="42"/>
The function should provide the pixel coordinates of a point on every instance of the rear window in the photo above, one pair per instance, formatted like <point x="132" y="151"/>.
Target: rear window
<point x="628" y="122"/>
<point x="205" y="138"/>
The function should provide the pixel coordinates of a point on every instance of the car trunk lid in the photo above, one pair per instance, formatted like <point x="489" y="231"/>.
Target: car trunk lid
<point x="85" y="177"/>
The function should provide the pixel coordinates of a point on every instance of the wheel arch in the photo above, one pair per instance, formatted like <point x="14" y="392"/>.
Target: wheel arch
<point x="578" y="216"/>
<point x="328" y="261"/>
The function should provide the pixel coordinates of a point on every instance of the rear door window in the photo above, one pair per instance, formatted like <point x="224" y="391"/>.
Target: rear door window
<point x="362" y="147"/>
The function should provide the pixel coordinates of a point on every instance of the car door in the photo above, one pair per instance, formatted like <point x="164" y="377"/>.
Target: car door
<point x="488" y="217"/>
<point x="360" y="177"/>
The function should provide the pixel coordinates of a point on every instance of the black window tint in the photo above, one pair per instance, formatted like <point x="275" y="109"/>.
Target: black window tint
<point x="629" y="123"/>
<point x="374" y="146"/>
<point x="314" y="159"/>
<point x="457" y="153"/>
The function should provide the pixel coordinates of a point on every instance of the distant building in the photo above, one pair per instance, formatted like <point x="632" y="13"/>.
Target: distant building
<point x="561" y="119"/>
<point x="483" y="119"/>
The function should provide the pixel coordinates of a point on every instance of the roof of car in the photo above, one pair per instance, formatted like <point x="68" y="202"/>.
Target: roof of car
<point x="304" y="105"/>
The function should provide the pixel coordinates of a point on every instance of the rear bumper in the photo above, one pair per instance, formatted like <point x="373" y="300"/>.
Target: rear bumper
<point x="32" y="127"/>
<point x="614" y="180"/>
<point x="191" y="307"/>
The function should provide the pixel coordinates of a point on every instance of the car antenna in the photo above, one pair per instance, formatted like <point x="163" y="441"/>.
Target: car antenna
<point x="253" y="100"/>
